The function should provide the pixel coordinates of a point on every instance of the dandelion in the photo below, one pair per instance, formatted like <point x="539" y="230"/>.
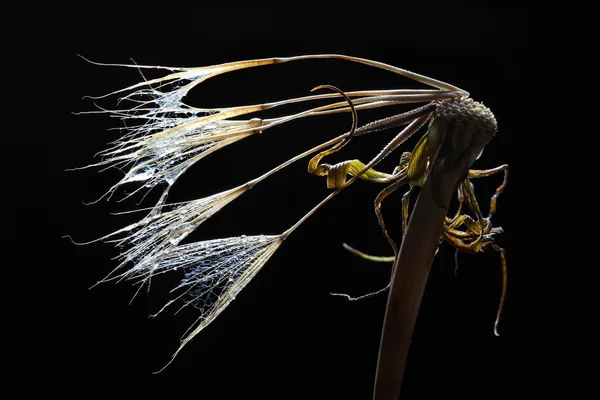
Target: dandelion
<point x="166" y="137"/>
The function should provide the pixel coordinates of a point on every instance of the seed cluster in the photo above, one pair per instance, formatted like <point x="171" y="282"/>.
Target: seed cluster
<point x="464" y="112"/>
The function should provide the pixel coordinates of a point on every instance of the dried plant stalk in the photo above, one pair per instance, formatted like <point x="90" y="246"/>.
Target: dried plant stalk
<point x="466" y="127"/>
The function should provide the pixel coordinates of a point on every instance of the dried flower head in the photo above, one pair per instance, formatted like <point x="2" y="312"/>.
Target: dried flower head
<point x="165" y="136"/>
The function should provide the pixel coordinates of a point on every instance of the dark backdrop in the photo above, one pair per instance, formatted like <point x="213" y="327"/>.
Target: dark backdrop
<point x="284" y="336"/>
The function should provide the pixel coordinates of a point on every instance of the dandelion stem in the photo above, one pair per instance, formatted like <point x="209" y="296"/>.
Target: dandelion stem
<point x="456" y="153"/>
<point x="411" y="270"/>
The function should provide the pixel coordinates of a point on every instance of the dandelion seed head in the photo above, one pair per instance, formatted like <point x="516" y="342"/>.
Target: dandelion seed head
<point x="163" y="137"/>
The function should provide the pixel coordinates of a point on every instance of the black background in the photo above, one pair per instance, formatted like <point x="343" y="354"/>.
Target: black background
<point x="285" y="336"/>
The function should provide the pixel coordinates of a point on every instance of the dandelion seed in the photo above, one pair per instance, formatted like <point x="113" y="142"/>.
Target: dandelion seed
<point x="162" y="157"/>
<point x="156" y="234"/>
<point x="216" y="271"/>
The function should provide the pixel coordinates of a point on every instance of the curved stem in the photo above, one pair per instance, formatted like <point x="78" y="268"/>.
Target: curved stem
<point x="411" y="270"/>
<point x="456" y="153"/>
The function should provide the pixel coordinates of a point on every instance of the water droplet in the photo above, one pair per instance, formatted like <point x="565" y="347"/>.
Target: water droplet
<point x="255" y="122"/>
<point x="180" y="232"/>
<point x="141" y="174"/>
<point x="172" y="177"/>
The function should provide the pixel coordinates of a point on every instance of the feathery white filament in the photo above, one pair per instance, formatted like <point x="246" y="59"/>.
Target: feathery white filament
<point x="216" y="271"/>
<point x="157" y="156"/>
<point x="159" y="232"/>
